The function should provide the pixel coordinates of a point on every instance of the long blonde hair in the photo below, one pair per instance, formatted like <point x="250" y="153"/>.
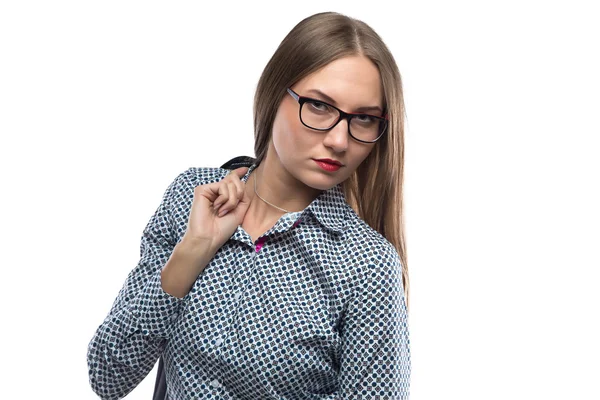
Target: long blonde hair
<point x="309" y="46"/>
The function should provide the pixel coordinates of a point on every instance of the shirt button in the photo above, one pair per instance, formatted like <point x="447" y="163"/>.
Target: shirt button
<point x="237" y="296"/>
<point x="219" y="341"/>
<point x="215" y="383"/>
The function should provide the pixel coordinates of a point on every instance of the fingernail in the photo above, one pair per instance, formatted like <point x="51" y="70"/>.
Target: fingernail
<point x="223" y="213"/>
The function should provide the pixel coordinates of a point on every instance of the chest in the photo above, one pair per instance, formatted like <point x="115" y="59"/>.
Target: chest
<point x="264" y="319"/>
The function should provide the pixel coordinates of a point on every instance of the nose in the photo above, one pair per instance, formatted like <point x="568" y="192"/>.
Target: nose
<point x="337" y="137"/>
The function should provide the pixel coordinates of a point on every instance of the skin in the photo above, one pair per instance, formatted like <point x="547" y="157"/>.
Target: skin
<point x="288" y="176"/>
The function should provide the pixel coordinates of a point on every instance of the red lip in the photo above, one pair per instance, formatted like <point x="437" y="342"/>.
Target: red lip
<point x="327" y="166"/>
<point x="329" y="161"/>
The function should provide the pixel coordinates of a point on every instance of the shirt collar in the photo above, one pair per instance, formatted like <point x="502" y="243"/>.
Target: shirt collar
<point x="329" y="207"/>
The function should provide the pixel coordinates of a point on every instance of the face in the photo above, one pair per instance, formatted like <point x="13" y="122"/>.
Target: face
<point x="352" y="83"/>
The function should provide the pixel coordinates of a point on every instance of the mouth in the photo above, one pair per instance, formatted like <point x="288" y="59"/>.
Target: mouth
<point x="329" y="161"/>
<point x="328" y="165"/>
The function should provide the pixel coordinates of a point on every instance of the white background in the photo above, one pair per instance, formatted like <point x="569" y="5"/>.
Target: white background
<point x="102" y="105"/>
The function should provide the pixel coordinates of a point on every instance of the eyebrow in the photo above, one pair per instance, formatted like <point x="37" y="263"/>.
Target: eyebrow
<point x="329" y="99"/>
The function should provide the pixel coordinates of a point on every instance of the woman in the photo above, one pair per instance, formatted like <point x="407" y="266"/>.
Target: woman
<point x="287" y="279"/>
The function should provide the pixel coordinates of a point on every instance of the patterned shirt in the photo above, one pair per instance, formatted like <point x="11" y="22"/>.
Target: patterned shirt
<point x="314" y="309"/>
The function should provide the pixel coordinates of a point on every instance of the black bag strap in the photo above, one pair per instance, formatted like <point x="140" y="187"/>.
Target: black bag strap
<point x="237" y="162"/>
<point x="160" y="386"/>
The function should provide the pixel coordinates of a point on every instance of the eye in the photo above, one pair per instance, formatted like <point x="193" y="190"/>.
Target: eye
<point x="318" y="106"/>
<point x="365" y="119"/>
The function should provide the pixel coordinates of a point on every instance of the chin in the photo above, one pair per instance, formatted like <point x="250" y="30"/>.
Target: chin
<point x="324" y="183"/>
<point x="318" y="180"/>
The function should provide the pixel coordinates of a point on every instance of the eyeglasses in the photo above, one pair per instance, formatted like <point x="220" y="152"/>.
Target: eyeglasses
<point x="321" y="116"/>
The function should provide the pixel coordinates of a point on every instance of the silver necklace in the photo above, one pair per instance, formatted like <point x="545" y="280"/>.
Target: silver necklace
<point x="279" y="208"/>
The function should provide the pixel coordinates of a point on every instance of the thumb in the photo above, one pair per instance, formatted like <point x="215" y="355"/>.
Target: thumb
<point x="241" y="171"/>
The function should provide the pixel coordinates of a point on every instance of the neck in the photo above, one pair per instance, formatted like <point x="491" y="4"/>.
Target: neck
<point x="279" y="189"/>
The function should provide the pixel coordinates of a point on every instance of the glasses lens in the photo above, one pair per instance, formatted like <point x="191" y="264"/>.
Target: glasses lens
<point x="318" y="115"/>
<point x="366" y="127"/>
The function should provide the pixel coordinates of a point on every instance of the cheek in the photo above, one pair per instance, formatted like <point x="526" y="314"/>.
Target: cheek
<point x="364" y="152"/>
<point x="287" y="133"/>
<point x="359" y="154"/>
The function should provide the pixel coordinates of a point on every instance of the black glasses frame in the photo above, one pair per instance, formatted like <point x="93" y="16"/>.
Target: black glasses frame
<point x="343" y="115"/>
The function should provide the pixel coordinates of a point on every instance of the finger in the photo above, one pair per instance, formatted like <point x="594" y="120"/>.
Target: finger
<point x="209" y="190"/>
<point x="239" y="187"/>
<point x="233" y="198"/>
<point x="230" y="203"/>
<point x="234" y="176"/>
<point x="223" y="194"/>
<point x="240" y="172"/>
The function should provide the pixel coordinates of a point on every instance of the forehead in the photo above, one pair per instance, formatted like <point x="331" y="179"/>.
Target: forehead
<point x="353" y="81"/>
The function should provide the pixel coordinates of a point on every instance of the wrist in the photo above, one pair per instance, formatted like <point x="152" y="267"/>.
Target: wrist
<point x="187" y="261"/>
<point x="190" y="245"/>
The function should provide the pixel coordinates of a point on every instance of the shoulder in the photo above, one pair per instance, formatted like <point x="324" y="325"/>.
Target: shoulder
<point x="179" y="195"/>
<point x="371" y="255"/>
<point x="196" y="176"/>
<point x="363" y="236"/>
<point x="181" y="189"/>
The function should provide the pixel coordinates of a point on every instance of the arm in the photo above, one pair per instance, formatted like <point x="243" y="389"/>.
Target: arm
<point x="126" y="346"/>
<point x="375" y="355"/>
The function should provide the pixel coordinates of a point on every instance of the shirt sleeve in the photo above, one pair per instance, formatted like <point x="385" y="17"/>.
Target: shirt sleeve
<point x="375" y="346"/>
<point x="126" y="346"/>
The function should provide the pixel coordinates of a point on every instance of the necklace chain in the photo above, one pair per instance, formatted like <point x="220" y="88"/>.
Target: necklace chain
<point x="279" y="208"/>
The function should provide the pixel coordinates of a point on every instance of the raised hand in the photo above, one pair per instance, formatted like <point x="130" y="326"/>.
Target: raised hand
<point x="217" y="209"/>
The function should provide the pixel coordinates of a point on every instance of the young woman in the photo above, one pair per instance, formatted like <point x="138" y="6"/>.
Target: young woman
<point x="287" y="279"/>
